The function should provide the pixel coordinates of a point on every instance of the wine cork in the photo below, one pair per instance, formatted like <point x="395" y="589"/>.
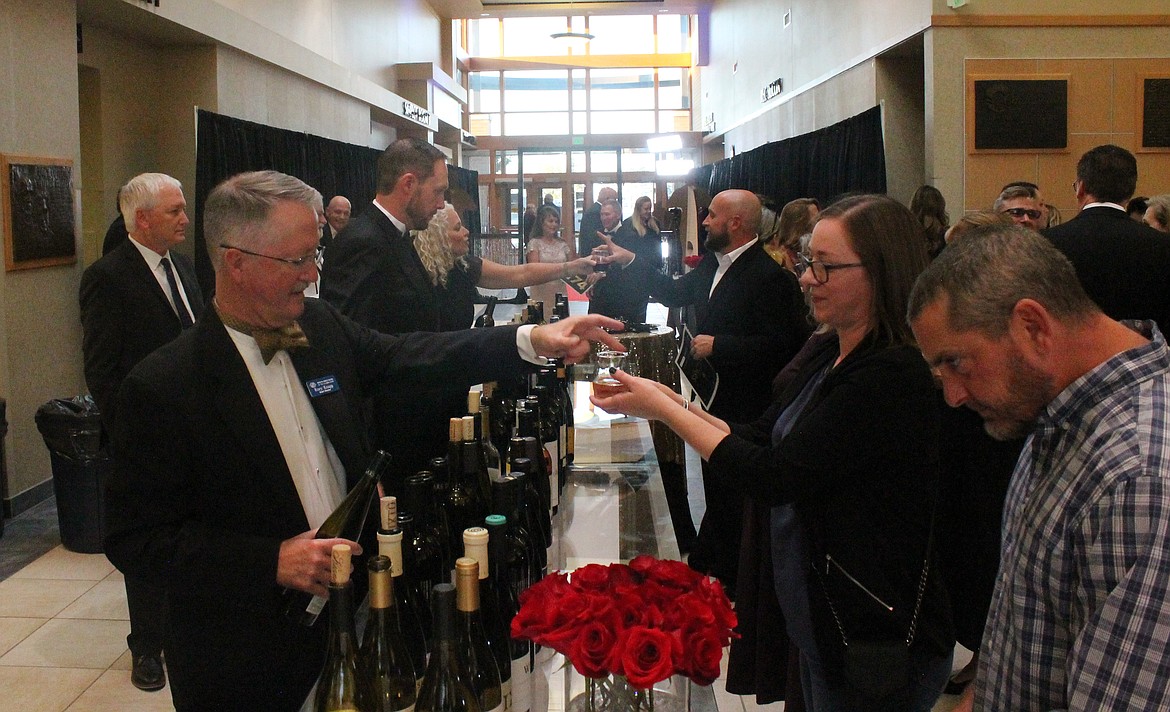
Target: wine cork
<point x="455" y="430"/>
<point x="473" y="401"/>
<point x="388" y="511"/>
<point x="468" y="427"/>
<point x="339" y="564"/>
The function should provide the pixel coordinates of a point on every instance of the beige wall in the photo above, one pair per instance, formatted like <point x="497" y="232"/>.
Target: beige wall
<point x="1102" y="64"/>
<point x="40" y="345"/>
<point x="750" y="48"/>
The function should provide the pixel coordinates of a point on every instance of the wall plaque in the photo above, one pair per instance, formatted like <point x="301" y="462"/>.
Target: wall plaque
<point x="1018" y="113"/>
<point x="38" y="211"/>
<point x="1155" y="113"/>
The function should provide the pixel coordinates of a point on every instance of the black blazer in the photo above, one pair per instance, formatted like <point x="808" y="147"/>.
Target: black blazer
<point x="374" y="276"/>
<point x="623" y="294"/>
<point x="757" y="316"/>
<point x="861" y="465"/>
<point x="125" y="316"/>
<point x="201" y="496"/>
<point x="1123" y="265"/>
<point x="590" y="226"/>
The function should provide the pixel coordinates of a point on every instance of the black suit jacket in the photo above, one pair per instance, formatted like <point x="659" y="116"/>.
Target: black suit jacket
<point x="757" y="316"/>
<point x="201" y="496"/>
<point x="374" y="276"/>
<point x="125" y="316"/>
<point x="1123" y="265"/>
<point x="623" y="293"/>
<point x="590" y="225"/>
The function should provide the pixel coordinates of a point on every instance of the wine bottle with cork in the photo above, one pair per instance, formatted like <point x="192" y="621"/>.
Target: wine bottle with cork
<point x="390" y="546"/>
<point x="346" y="522"/>
<point x="337" y="686"/>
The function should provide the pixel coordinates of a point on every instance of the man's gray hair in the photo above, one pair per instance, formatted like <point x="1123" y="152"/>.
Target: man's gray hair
<point x="141" y="193"/>
<point x="238" y="208"/>
<point x="990" y="270"/>
<point x="613" y="203"/>
<point x="1012" y="192"/>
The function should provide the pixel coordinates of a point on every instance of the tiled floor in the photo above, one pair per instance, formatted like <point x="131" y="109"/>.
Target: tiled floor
<point x="63" y="626"/>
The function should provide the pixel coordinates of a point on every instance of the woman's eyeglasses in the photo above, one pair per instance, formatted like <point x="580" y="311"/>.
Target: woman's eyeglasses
<point x="820" y="270"/>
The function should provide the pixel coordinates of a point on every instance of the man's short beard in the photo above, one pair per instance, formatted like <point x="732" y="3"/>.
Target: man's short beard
<point x="717" y="242"/>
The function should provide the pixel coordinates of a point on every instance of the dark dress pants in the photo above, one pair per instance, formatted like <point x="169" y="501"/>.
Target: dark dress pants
<point x="148" y="616"/>
<point x="716" y="550"/>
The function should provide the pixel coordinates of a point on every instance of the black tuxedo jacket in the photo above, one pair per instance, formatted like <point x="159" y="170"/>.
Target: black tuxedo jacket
<point x="590" y="225"/>
<point x="623" y="293"/>
<point x="1123" y="265"/>
<point x="374" y="276"/>
<point x="201" y="496"/>
<point x="757" y="316"/>
<point x="125" y="316"/>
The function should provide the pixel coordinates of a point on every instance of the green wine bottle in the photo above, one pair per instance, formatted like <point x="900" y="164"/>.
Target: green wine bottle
<point x="337" y="687"/>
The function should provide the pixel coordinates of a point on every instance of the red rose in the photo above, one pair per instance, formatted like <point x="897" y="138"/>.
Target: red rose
<point x="646" y="656"/>
<point x="704" y="650"/>
<point x="692" y="261"/>
<point x="590" y="650"/>
<point x="688" y="611"/>
<point x="675" y="574"/>
<point x="592" y="577"/>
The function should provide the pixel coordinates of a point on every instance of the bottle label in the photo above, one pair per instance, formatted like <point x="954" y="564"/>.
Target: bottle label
<point x="316" y="605"/>
<point x="409" y="708"/>
<point x="506" y="695"/>
<point x="497" y="708"/>
<point x="522" y="684"/>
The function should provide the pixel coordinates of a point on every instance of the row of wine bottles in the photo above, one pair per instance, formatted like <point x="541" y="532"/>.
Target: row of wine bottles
<point x="473" y="665"/>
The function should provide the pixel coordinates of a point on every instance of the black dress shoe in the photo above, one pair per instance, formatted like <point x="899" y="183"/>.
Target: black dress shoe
<point x="148" y="673"/>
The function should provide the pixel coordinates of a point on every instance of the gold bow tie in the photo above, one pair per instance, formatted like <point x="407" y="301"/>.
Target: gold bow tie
<point x="286" y="338"/>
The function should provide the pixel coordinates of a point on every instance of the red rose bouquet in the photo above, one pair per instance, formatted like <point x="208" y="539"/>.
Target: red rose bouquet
<point x="646" y="620"/>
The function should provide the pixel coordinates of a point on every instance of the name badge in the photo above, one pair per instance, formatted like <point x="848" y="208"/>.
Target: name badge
<point x="322" y="386"/>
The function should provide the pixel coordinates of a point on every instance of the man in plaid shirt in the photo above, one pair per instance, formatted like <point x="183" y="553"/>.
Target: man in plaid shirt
<point x="1080" y="619"/>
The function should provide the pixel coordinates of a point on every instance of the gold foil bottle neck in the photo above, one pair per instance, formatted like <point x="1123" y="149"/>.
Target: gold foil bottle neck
<point x="466" y="584"/>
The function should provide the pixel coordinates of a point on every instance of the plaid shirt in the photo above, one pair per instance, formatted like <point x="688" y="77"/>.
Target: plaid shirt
<point x="1080" y="619"/>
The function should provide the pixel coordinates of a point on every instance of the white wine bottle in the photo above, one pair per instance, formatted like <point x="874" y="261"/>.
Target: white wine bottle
<point x="444" y="687"/>
<point x="483" y="673"/>
<point x="337" y="687"/>
<point x="346" y="522"/>
<point x="384" y="664"/>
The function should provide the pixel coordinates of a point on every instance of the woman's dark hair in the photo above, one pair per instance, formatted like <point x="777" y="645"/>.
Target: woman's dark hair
<point x="888" y="241"/>
<point x="538" y="224"/>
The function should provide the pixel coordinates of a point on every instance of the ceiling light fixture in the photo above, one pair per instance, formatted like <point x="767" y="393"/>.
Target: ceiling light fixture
<point x="569" y="36"/>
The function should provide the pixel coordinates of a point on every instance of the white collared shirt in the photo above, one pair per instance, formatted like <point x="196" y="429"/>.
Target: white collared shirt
<point x="397" y="223"/>
<point x="726" y="260"/>
<point x="316" y="470"/>
<point x="154" y="262"/>
<point x="1104" y="205"/>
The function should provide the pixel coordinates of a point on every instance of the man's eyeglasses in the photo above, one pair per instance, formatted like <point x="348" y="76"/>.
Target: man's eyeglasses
<point x="295" y="263"/>
<point x="1021" y="212"/>
<point x="820" y="270"/>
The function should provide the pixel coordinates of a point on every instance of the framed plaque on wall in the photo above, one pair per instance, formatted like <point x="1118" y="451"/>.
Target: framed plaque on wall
<point x="1017" y="113"/>
<point x="37" y="194"/>
<point x="1153" y="113"/>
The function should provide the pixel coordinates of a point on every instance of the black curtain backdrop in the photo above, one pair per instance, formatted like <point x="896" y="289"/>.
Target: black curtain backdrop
<point x="845" y="157"/>
<point x="227" y="146"/>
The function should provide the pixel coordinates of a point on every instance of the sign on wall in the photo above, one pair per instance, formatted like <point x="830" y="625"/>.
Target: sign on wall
<point x="37" y="194"/>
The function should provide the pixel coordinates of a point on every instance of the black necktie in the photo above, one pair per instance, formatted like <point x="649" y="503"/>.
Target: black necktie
<point x="176" y="297"/>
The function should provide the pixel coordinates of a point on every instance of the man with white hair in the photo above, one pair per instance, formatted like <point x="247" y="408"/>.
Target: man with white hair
<point x="135" y="299"/>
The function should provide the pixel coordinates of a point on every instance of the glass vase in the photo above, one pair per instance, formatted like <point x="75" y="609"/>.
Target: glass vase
<point x="615" y="694"/>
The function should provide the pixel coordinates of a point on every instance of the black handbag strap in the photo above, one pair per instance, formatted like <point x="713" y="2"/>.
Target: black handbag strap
<point x="917" y="604"/>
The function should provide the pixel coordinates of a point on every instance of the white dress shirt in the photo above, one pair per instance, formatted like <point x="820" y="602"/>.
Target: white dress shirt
<point x="726" y="260"/>
<point x="154" y="262"/>
<point x="316" y="470"/>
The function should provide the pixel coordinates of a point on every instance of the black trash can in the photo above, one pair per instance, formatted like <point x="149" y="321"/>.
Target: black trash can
<point x="73" y="433"/>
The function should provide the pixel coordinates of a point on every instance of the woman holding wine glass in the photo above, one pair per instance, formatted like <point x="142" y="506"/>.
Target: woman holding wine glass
<point x="848" y="461"/>
<point x="545" y="244"/>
